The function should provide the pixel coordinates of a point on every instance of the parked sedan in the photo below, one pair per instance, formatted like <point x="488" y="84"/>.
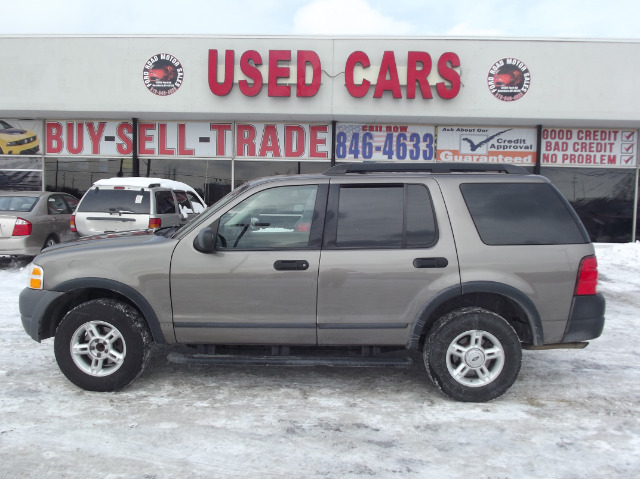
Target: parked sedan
<point x="33" y="220"/>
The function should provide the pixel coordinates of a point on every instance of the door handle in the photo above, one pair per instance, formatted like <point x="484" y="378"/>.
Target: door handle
<point x="430" y="263"/>
<point x="291" y="265"/>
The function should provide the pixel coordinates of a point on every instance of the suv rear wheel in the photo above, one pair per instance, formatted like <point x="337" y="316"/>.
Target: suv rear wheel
<point x="472" y="355"/>
<point x="102" y="345"/>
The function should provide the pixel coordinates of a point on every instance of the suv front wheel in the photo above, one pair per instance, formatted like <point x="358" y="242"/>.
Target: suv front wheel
<point x="102" y="345"/>
<point x="472" y="355"/>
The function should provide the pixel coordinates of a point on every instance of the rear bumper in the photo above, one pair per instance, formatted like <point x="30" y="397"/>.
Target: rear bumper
<point x="20" y="246"/>
<point x="586" y="319"/>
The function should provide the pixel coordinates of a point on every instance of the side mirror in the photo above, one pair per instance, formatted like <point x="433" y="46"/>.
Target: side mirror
<point x="205" y="242"/>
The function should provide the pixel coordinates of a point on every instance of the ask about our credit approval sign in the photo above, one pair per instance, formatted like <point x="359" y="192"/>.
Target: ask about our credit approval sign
<point x="468" y="144"/>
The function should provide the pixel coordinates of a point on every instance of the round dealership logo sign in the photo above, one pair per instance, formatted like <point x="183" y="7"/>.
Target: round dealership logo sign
<point x="163" y="74"/>
<point x="509" y="79"/>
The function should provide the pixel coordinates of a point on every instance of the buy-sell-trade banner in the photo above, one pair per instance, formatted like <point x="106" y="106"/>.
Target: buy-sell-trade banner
<point x="468" y="144"/>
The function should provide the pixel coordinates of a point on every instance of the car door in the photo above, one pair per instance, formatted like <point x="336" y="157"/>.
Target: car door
<point x="387" y="252"/>
<point x="259" y="286"/>
<point x="166" y="208"/>
<point x="59" y="213"/>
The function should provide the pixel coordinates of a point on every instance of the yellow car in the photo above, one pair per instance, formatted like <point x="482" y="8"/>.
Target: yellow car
<point x="17" y="141"/>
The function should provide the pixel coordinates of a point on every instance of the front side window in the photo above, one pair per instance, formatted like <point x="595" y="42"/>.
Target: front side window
<point x="385" y="216"/>
<point x="276" y="218"/>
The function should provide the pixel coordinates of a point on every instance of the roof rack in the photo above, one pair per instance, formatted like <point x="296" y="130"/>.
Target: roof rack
<point x="363" y="168"/>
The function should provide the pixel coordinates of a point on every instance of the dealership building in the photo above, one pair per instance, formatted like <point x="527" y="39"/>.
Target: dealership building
<point x="215" y="112"/>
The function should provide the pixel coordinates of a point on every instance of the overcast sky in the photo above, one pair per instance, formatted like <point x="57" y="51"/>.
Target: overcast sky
<point x="502" y="18"/>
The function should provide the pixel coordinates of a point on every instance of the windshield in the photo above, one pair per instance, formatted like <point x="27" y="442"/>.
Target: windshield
<point x="109" y="201"/>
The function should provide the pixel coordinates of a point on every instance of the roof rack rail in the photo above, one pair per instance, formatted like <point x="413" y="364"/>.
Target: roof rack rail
<point x="435" y="167"/>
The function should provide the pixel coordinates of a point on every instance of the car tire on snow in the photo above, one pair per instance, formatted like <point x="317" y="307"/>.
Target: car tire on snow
<point x="50" y="241"/>
<point x="472" y="355"/>
<point x="102" y="345"/>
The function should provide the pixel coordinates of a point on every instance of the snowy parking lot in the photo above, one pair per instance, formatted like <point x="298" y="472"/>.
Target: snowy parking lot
<point x="570" y="414"/>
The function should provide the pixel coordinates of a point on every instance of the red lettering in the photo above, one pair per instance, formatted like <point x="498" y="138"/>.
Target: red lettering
<point x="417" y="75"/>
<point x="162" y="141"/>
<point x="245" y="140"/>
<point x="221" y="137"/>
<point x="294" y="140"/>
<point x="315" y="141"/>
<point x="308" y="57"/>
<point x="446" y="64"/>
<point x="95" y="136"/>
<point x="54" y="140"/>
<point x="252" y="72"/>
<point x="221" y="89"/>
<point x="76" y="147"/>
<point x="123" y="131"/>
<point x="182" y="141"/>
<point x="270" y="143"/>
<point x="276" y="72"/>
<point x="144" y="138"/>
<point x="388" y="79"/>
<point x="357" y="91"/>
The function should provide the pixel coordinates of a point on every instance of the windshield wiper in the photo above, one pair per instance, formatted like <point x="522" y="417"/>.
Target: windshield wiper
<point x="120" y="211"/>
<point x="167" y="231"/>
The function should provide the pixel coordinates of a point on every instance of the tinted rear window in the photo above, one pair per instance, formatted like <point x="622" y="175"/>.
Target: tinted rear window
<point x="521" y="213"/>
<point x="103" y="200"/>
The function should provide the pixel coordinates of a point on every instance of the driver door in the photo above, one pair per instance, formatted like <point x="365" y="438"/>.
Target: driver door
<point x="260" y="284"/>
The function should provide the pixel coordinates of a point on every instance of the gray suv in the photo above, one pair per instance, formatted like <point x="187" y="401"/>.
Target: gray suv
<point x="362" y="265"/>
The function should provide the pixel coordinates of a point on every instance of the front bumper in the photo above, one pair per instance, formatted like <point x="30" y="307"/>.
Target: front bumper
<point x="34" y="305"/>
<point x="28" y="148"/>
<point x="586" y="319"/>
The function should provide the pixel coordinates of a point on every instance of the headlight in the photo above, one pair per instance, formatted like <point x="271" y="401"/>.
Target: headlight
<point x="36" y="277"/>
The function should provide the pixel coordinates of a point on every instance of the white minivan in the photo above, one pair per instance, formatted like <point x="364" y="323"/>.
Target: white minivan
<point x="113" y="205"/>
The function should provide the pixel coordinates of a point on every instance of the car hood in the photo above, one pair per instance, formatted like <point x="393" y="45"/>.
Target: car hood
<point x="108" y="241"/>
<point x="13" y="131"/>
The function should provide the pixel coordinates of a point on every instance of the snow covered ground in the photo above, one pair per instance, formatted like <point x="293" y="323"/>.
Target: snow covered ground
<point x="571" y="414"/>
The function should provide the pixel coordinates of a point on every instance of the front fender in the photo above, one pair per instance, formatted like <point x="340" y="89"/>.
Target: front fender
<point x="157" y="331"/>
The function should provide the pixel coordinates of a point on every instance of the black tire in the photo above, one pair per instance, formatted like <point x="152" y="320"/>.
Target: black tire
<point x="50" y="241"/>
<point x="472" y="355"/>
<point x="102" y="345"/>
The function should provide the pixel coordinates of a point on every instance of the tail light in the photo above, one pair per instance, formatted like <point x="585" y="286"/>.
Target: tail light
<point x="72" y="224"/>
<point x="155" y="223"/>
<point x="587" y="282"/>
<point x="22" y="228"/>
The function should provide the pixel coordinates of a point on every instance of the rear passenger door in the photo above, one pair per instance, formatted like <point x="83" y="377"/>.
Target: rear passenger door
<point x="388" y="249"/>
<point x="166" y="208"/>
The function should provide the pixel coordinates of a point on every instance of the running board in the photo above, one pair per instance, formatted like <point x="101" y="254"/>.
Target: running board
<point x="224" y="360"/>
<point x="579" y="345"/>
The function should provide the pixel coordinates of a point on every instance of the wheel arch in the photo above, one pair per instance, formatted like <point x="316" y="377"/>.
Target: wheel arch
<point x="510" y="303"/>
<point x="52" y="235"/>
<point x="81" y="290"/>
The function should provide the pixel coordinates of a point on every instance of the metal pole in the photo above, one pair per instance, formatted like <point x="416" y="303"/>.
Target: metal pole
<point x="635" y="209"/>
<point x="135" y="166"/>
